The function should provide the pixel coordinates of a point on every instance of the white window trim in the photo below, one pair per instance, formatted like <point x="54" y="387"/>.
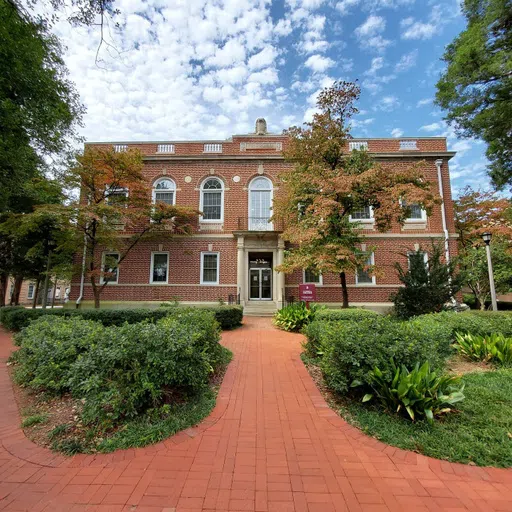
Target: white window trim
<point x="30" y="296"/>
<point x="425" y="258"/>
<point x="271" y="190"/>
<point x="201" y="193"/>
<point x="158" y="283"/>
<point x="103" y="254"/>
<point x="320" y="279"/>
<point x="371" y="220"/>
<point x="154" y="191"/>
<point x="374" y="279"/>
<point x="417" y="221"/>
<point x="210" y="283"/>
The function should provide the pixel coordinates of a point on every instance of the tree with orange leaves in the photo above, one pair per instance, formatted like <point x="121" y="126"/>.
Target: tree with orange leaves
<point x="115" y="212"/>
<point x="477" y="212"/>
<point x="326" y="184"/>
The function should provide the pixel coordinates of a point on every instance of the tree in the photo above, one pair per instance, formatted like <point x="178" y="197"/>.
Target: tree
<point x="115" y="212"/>
<point x="477" y="212"/>
<point x="39" y="107"/>
<point x="476" y="88"/>
<point x="427" y="285"/>
<point x="325" y="185"/>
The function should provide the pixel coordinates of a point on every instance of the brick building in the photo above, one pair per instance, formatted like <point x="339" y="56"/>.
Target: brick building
<point x="234" y="250"/>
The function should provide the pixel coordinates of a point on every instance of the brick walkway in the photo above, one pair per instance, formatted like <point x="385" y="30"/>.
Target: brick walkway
<point x="271" y="444"/>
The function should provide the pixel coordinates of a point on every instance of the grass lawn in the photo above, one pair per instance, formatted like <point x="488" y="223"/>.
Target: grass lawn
<point x="480" y="433"/>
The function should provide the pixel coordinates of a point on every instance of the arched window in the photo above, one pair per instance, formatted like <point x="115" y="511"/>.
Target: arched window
<point x="164" y="191"/>
<point x="260" y="204"/>
<point x="212" y="200"/>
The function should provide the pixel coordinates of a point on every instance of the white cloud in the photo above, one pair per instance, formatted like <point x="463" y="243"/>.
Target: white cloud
<point x="417" y="30"/>
<point x="423" y="102"/>
<point x="387" y="104"/>
<point x="345" y="6"/>
<point x="407" y="61"/>
<point x="264" y="58"/>
<point x="318" y="63"/>
<point x="283" y="27"/>
<point x="369" y="34"/>
<point x="376" y="64"/>
<point x="396" y="132"/>
<point x="433" y="127"/>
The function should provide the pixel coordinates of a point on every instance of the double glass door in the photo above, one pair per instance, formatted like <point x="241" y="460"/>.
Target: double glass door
<point x="260" y="283"/>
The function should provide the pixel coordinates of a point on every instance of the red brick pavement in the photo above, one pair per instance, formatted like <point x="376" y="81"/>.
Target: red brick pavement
<point x="271" y="444"/>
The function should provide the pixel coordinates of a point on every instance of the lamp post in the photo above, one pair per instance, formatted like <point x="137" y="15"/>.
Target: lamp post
<point x="487" y="239"/>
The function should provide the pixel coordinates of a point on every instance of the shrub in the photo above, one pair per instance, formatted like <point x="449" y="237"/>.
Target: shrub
<point x="336" y="315"/>
<point x="138" y="366"/>
<point x="495" y="348"/>
<point x="418" y="394"/>
<point x="49" y="346"/>
<point x="295" y="316"/>
<point x="16" y="318"/>
<point x="353" y="349"/>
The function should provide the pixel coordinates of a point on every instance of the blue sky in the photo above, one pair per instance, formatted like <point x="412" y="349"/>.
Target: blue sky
<point x="196" y="69"/>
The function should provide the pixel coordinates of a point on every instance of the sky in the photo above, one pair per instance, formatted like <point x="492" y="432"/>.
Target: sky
<point x="206" y="69"/>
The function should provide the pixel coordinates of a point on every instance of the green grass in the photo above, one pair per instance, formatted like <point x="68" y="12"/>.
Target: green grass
<point x="34" y="420"/>
<point x="480" y="433"/>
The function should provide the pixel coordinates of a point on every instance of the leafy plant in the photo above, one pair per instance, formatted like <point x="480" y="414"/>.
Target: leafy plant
<point x="419" y="394"/>
<point x="34" y="420"/>
<point x="295" y="316"/>
<point x="495" y="348"/>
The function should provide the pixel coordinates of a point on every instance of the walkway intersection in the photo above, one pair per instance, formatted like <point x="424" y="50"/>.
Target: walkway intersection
<point x="272" y="445"/>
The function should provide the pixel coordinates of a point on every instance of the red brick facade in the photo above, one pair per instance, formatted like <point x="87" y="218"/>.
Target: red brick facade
<point x="236" y="162"/>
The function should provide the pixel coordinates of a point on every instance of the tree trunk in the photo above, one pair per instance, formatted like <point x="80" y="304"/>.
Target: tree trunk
<point x="344" y="291"/>
<point x="15" y="299"/>
<point x="36" y="293"/>
<point x="4" y="279"/>
<point x="96" y="290"/>
<point x="54" y="291"/>
<point x="46" y="280"/>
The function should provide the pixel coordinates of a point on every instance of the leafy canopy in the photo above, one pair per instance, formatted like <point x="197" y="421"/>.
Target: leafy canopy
<point x="476" y="88"/>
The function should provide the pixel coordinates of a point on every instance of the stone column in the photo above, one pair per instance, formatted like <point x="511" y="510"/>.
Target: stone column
<point x="280" y="275"/>
<point x="240" y="272"/>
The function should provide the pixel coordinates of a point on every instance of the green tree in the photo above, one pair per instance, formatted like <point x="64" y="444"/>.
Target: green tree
<point x="114" y="212"/>
<point x="427" y="284"/>
<point x="39" y="107"/>
<point x="326" y="184"/>
<point x="476" y="88"/>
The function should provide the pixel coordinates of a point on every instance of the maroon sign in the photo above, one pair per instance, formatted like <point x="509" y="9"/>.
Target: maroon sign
<point x="307" y="292"/>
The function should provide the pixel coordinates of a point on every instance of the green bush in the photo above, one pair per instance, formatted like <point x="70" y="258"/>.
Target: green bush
<point x="295" y="316"/>
<point x="336" y="315"/>
<point x="139" y="366"/>
<point x="49" y="346"/>
<point x="495" y="348"/>
<point x="16" y="318"/>
<point x="351" y="350"/>
<point x="418" y="394"/>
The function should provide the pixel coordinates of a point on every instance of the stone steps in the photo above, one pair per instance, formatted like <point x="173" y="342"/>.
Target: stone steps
<point x="260" y="308"/>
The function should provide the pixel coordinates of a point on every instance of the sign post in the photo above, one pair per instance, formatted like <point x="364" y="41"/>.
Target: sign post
<point x="307" y="293"/>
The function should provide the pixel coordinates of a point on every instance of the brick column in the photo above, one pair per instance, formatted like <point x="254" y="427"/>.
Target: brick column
<point x="240" y="272"/>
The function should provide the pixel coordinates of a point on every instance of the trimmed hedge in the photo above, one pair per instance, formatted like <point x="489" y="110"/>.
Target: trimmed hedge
<point x="335" y="315"/>
<point x="351" y="350"/>
<point x="16" y="318"/>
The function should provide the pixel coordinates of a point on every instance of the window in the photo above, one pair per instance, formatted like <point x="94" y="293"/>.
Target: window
<point x="165" y="148"/>
<point x="209" y="268"/>
<point x="360" y="146"/>
<point x="363" y="276"/>
<point x="425" y="258"/>
<point x="119" y="148"/>
<point x="364" y="214"/>
<point x="417" y="213"/>
<point x="110" y="268"/>
<point x="117" y="196"/>
<point x="31" y="290"/>
<point x="57" y="292"/>
<point x="164" y="191"/>
<point x="159" y="267"/>
<point x="212" y="200"/>
<point x="260" y="204"/>
<point x="310" y="276"/>
<point x="408" y="145"/>
<point x="212" y="148"/>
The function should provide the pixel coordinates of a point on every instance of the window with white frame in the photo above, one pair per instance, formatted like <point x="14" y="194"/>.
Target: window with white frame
<point x="364" y="214"/>
<point x="311" y="277"/>
<point x="159" y="267"/>
<point x="119" y="148"/>
<point x="210" y="267"/>
<point x="424" y="256"/>
<point x="212" y="200"/>
<point x="30" y="291"/>
<point x="117" y="196"/>
<point x="362" y="274"/>
<point x="164" y="191"/>
<point x="165" y="148"/>
<point x="416" y="212"/>
<point x="110" y="268"/>
<point x="260" y="204"/>
<point x="212" y="148"/>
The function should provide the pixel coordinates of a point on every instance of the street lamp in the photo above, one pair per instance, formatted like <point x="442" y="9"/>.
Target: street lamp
<point x="487" y="239"/>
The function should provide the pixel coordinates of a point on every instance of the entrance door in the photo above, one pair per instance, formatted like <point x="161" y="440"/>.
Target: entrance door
<point x="261" y="284"/>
